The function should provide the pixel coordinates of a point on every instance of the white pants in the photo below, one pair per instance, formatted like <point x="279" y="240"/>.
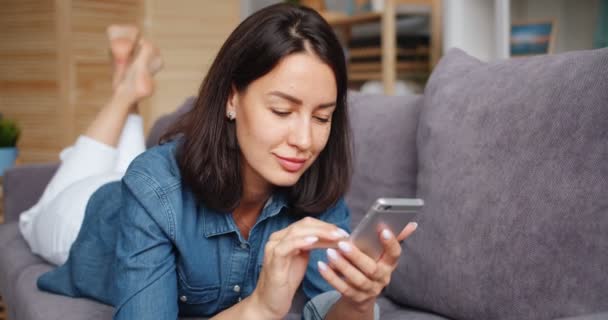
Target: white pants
<point x="51" y="225"/>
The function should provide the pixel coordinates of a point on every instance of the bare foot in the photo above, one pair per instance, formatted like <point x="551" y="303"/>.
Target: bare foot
<point x="137" y="82"/>
<point x="122" y="41"/>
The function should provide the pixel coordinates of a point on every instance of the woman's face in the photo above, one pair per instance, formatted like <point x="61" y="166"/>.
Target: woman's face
<point x="283" y="120"/>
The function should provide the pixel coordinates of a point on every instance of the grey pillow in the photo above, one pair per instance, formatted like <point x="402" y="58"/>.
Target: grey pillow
<point x="384" y="136"/>
<point x="164" y="123"/>
<point x="513" y="166"/>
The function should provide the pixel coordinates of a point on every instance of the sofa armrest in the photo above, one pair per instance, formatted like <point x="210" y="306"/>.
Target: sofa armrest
<point x="594" y="316"/>
<point x="23" y="185"/>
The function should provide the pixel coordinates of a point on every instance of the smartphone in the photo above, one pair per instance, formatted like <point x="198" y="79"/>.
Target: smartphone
<point x="391" y="213"/>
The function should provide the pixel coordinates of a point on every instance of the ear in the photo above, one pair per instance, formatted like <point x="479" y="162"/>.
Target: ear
<point x="233" y="99"/>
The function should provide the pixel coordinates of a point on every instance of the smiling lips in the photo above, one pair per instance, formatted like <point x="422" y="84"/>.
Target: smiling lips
<point x="291" y="164"/>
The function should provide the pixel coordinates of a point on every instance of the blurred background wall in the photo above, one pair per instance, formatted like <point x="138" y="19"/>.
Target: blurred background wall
<point x="55" y="67"/>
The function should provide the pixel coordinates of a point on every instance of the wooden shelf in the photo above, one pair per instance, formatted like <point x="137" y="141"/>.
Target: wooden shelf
<point x="377" y="52"/>
<point x="404" y="66"/>
<point x="389" y="67"/>
<point x="342" y="20"/>
<point x="377" y="76"/>
<point x="337" y="20"/>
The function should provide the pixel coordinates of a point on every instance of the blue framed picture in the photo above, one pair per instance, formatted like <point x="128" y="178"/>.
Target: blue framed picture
<point x="532" y="38"/>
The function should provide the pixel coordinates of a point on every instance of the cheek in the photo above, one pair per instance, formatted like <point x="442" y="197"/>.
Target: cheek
<point x="258" y="132"/>
<point x="321" y="136"/>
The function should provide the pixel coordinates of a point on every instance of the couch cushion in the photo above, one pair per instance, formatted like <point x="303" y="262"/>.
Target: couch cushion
<point x="513" y="166"/>
<point x="162" y="124"/>
<point x="22" y="187"/>
<point x="595" y="316"/>
<point x="392" y="311"/>
<point x="16" y="256"/>
<point x="384" y="136"/>
<point x="33" y="304"/>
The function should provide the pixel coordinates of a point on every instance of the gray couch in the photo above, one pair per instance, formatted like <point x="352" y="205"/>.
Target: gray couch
<point x="511" y="158"/>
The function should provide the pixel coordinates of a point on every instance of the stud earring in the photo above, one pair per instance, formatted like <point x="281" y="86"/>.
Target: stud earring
<point x="231" y="115"/>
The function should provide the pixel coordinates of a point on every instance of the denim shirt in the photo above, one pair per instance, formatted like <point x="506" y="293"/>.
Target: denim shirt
<point x="147" y="248"/>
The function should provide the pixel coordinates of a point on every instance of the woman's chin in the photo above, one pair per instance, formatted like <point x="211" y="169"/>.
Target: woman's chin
<point x="285" y="179"/>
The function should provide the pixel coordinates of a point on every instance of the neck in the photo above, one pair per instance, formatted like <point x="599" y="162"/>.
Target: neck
<point x="253" y="199"/>
<point x="250" y="208"/>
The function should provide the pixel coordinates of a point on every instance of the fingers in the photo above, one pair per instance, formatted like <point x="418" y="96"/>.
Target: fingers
<point x="311" y="227"/>
<point x="359" y="259"/>
<point x="293" y="246"/>
<point x="356" y="275"/>
<point x="342" y="285"/>
<point x="407" y="231"/>
<point x="328" y="237"/>
<point x="392" y="246"/>
<point x="353" y="275"/>
<point x="322" y="225"/>
<point x="305" y="234"/>
<point x="334" y="279"/>
<point x="332" y="234"/>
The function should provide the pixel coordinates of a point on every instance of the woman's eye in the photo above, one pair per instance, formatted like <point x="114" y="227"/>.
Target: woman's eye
<point x="281" y="113"/>
<point x="322" y="119"/>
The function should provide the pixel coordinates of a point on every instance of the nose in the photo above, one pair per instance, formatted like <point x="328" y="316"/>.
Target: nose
<point x="300" y="135"/>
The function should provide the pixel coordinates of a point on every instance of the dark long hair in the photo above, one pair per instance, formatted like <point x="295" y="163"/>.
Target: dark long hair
<point x="208" y="155"/>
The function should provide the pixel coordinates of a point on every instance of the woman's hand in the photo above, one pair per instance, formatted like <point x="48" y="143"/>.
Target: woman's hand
<point x="358" y="277"/>
<point x="286" y="256"/>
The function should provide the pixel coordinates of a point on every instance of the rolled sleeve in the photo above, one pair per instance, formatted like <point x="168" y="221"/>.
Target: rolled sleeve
<point x="318" y="307"/>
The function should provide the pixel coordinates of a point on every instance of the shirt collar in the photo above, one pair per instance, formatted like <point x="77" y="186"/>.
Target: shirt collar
<point x="217" y="223"/>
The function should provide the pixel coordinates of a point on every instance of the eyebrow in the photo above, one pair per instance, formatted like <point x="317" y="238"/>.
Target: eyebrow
<point x="297" y="101"/>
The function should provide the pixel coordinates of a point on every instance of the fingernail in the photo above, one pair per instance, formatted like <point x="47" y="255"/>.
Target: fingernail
<point x="339" y="233"/>
<point x="322" y="265"/>
<point x="386" y="234"/>
<point x="311" y="239"/>
<point x="332" y="254"/>
<point x="415" y="225"/>
<point x="344" y="246"/>
<point x="343" y="233"/>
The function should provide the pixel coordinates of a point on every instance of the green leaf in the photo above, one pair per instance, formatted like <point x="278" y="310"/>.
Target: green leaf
<point x="9" y="133"/>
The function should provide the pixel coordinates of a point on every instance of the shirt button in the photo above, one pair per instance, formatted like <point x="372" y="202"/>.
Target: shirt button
<point x="183" y="298"/>
<point x="240" y="299"/>
<point x="236" y="288"/>
<point x="243" y="245"/>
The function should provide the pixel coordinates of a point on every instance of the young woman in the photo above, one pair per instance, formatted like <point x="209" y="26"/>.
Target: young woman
<point x="227" y="216"/>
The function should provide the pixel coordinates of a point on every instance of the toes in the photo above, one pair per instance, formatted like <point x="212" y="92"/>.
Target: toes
<point x="155" y="65"/>
<point x="122" y="40"/>
<point x="150" y="55"/>
<point x="128" y="31"/>
<point x="138" y="79"/>
<point x="140" y="69"/>
<point x="122" y="30"/>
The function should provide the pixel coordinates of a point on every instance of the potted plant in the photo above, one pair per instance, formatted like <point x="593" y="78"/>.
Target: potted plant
<point x="9" y="134"/>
